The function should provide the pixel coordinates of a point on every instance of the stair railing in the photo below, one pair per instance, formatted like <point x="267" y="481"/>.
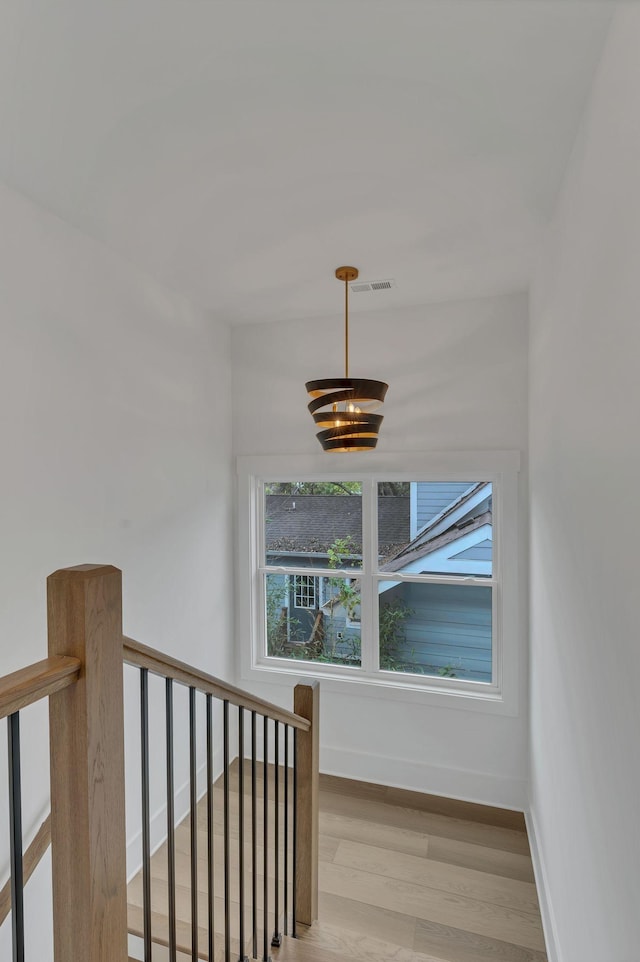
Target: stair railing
<point x="83" y="680"/>
<point x="289" y="839"/>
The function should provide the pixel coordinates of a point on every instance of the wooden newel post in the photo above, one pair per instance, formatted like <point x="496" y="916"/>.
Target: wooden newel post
<point x="306" y="702"/>
<point x="86" y="723"/>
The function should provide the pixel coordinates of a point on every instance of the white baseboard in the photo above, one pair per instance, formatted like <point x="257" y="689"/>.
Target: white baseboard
<point x="546" y="910"/>
<point x="463" y="784"/>
<point x="136" y="947"/>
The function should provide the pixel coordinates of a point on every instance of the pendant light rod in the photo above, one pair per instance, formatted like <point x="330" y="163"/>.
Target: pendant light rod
<point x="346" y="274"/>
<point x="346" y="329"/>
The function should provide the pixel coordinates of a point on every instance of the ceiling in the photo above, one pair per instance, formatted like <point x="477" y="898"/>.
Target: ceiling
<point x="240" y="150"/>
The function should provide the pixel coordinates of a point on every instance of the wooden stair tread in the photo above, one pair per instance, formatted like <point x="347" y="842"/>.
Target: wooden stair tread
<point x="345" y="944"/>
<point x="323" y="943"/>
<point x="390" y="851"/>
<point x="160" y="937"/>
<point x="161" y="954"/>
<point x="299" y="950"/>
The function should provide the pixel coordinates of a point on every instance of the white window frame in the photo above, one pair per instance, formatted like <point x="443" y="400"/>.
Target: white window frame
<point x="499" y="467"/>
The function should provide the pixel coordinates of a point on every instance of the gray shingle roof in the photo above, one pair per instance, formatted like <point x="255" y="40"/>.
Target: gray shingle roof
<point x="318" y="520"/>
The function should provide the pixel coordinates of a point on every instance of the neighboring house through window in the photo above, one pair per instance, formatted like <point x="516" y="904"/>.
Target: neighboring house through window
<point x="383" y="578"/>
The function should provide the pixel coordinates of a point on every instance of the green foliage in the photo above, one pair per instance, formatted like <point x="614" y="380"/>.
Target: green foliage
<point x="386" y="489"/>
<point x="339" y="488"/>
<point x="392" y="633"/>
<point x="278" y="625"/>
<point x="333" y="649"/>
<point x="393" y="489"/>
<point x="348" y="597"/>
<point x="337" y="552"/>
<point x="447" y="671"/>
<point x="344" y="594"/>
<point x="350" y="658"/>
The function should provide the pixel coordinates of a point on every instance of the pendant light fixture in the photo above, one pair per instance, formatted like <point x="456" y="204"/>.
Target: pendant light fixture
<point x="342" y="406"/>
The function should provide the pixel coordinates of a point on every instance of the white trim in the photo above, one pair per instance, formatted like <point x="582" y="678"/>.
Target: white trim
<point x="346" y="573"/>
<point x="413" y="509"/>
<point x="439" y="465"/>
<point x="368" y="603"/>
<point x="436" y="691"/>
<point x="549" y="925"/>
<point x="498" y="467"/>
<point x="433" y="579"/>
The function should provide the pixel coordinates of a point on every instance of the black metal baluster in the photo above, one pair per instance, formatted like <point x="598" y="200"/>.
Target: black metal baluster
<point x="171" y="847"/>
<point x="243" y="957"/>
<point x="294" y="930"/>
<point x="276" y="939"/>
<point x="227" y="895"/>
<point x="194" y="823"/>
<point x="265" y="840"/>
<point x="210" y="849"/>
<point x="15" y="829"/>
<point x="286" y="829"/>
<point x="146" y="818"/>
<point x="254" y="849"/>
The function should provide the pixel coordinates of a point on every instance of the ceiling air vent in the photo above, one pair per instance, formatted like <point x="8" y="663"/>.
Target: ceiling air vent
<point x="369" y="286"/>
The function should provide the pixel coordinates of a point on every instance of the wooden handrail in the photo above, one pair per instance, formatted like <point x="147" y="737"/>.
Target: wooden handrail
<point x="23" y="687"/>
<point x="142" y="656"/>
<point x="32" y="856"/>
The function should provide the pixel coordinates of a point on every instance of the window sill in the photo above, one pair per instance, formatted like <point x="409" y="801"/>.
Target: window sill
<point x="468" y="696"/>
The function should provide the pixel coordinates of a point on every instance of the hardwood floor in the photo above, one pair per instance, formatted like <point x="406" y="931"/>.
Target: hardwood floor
<point x="398" y="883"/>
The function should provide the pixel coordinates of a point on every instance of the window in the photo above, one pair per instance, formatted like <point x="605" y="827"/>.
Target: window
<point x="304" y="592"/>
<point x="384" y="578"/>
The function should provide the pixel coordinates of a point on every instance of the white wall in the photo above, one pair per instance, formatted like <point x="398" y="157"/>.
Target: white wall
<point x="458" y="381"/>
<point x="585" y="529"/>
<point x="115" y="447"/>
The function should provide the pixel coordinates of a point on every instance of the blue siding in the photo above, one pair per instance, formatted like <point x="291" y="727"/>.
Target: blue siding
<point x="449" y="628"/>
<point x="480" y="552"/>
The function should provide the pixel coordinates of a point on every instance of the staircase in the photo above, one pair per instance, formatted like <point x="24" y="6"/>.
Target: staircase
<point x="320" y="942"/>
<point x="264" y="848"/>
<point x="398" y="877"/>
<point x="386" y="856"/>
